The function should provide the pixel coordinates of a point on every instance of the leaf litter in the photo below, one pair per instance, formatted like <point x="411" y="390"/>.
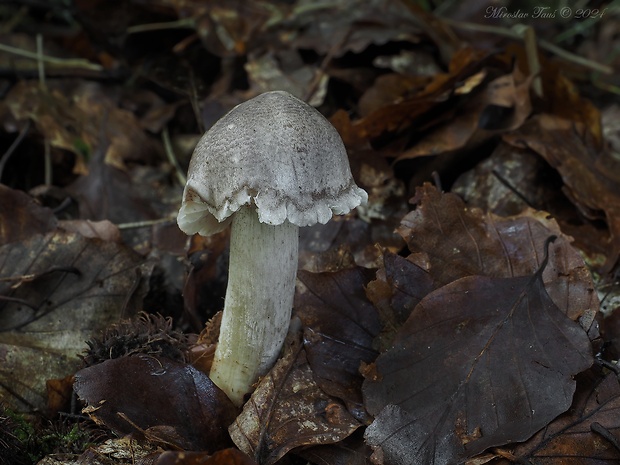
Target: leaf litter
<point x="416" y="98"/>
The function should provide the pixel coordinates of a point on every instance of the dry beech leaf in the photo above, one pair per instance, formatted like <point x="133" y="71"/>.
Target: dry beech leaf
<point x="21" y="216"/>
<point x="56" y="291"/>
<point x="350" y="451"/>
<point x="288" y="409"/>
<point x="480" y="362"/>
<point x="502" y="105"/>
<point x="460" y="241"/>
<point x="507" y="182"/>
<point x="104" y="229"/>
<point x="586" y="434"/>
<point x="221" y="457"/>
<point x="75" y="124"/>
<point x="170" y="402"/>
<point x="339" y="327"/>
<point x="400" y="284"/>
<point x="591" y="176"/>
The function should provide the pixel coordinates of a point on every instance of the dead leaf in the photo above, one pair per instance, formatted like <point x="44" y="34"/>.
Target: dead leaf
<point x="339" y="327"/>
<point x="508" y="182"/>
<point x="285" y="70"/>
<point x="22" y="217"/>
<point x="350" y="451"/>
<point x="460" y="241"/>
<point x="502" y="105"/>
<point x="77" y="124"/>
<point x="591" y="176"/>
<point x="221" y="457"/>
<point x="104" y="230"/>
<point x="288" y="409"/>
<point x="491" y="357"/>
<point x="400" y="284"/>
<point x="56" y="291"/>
<point x="586" y="434"/>
<point x="168" y="401"/>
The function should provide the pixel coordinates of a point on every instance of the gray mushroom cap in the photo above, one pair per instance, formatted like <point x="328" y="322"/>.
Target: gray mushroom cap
<point x="275" y="152"/>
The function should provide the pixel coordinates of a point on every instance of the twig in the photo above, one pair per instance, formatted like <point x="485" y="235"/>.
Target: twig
<point x="172" y="157"/>
<point x="40" y="63"/>
<point x="61" y="62"/>
<point x="504" y="32"/>
<point x="531" y="51"/>
<point x="5" y="158"/>
<point x="193" y="99"/>
<point x="144" y="224"/>
<point x="47" y="160"/>
<point x="9" y="25"/>
<point x="183" y="23"/>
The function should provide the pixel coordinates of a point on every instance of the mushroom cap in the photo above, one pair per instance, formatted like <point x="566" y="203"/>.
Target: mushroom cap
<point x="274" y="152"/>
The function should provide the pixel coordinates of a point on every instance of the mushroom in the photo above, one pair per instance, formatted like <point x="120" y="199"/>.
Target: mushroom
<point x="269" y="166"/>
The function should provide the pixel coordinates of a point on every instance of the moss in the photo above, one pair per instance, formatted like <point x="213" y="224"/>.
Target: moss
<point x="25" y="441"/>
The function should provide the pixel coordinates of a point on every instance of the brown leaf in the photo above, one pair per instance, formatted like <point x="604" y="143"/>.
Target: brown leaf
<point x="104" y="230"/>
<point x="221" y="457"/>
<point x="406" y="110"/>
<point x="168" y="401"/>
<point x="21" y="217"/>
<point x="591" y="175"/>
<point x="480" y="362"/>
<point x="350" y="451"/>
<point x="351" y="26"/>
<point x="460" y="241"/>
<point x="400" y="285"/>
<point x="339" y="327"/>
<point x="586" y="434"/>
<point x="77" y="124"/>
<point x="56" y="291"/>
<point x="109" y="193"/>
<point x="288" y="409"/>
<point x="509" y="181"/>
<point x="502" y="105"/>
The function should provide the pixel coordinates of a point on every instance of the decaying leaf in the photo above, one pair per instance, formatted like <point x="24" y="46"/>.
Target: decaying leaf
<point x="21" y="216"/>
<point x="288" y="409"/>
<point x="480" y="362"/>
<point x="400" y="285"/>
<point x="508" y="182"/>
<point x="169" y="402"/>
<point x="460" y="242"/>
<point x="339" y="327"/>
<point x="587" y="434"/>
<point x="222" y="457"/>
<point x="502" y="105"/>
<point x="350" y="451"/>
<point x="590" y="174"/>
<point x="56" y="291"/>
<point x="76" y="124"/>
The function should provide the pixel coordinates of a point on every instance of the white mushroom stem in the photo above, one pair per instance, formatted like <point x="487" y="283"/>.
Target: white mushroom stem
<point x="259" y="299"/>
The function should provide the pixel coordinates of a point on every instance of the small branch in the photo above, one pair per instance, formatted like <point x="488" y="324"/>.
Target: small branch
<point x="504" y="32"/>
<point x="60" y="62"/>
<point x="5" y="158"/>
<point x="145" y="224"/>
<point x="183" y="23"/>
<point x="531" y="51"/>
<point x="40" y="63"/>
<point x="172" y="157"/>
<point x="47" y="160"/>
<point x="193" y="98"/>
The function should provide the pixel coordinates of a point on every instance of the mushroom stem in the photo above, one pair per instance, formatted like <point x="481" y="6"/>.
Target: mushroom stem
<point x="259" y="299"/>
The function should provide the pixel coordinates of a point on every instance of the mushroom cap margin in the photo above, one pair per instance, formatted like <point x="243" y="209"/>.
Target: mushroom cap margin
<point x="274" y="152"/>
